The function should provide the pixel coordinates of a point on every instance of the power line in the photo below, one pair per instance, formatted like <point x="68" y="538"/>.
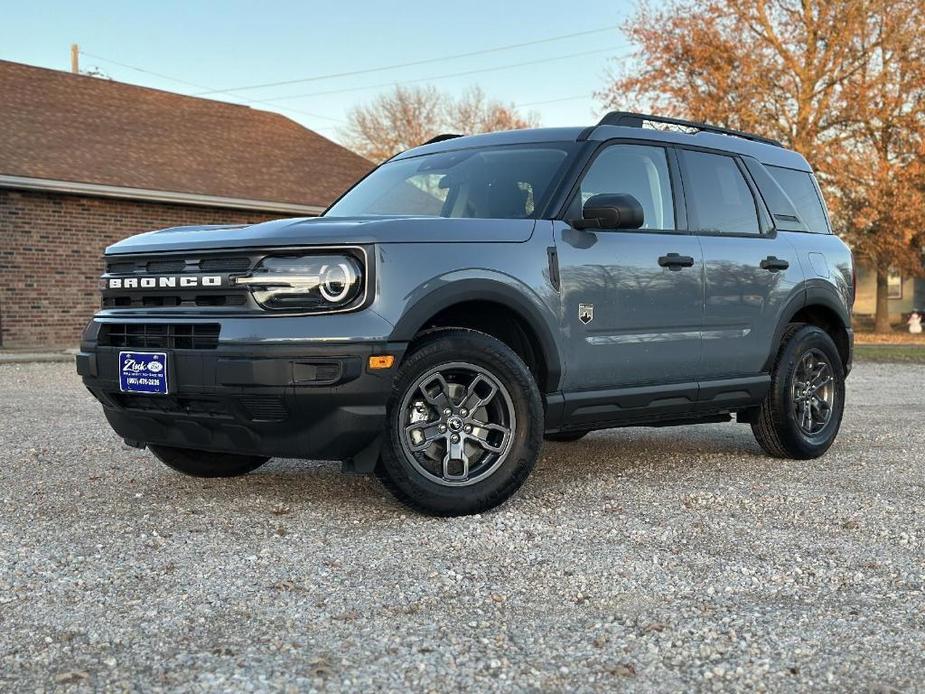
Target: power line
<point x="244" y="100"/>
<point x="552" y="101"/>
<point x="425" y="61"/>
<point x="272" y="101"/>
<point x="147" y="72"/>
<point x="433" y="78"/>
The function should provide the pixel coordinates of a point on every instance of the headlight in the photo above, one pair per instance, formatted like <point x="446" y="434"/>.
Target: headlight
<point x="306" y="282"/>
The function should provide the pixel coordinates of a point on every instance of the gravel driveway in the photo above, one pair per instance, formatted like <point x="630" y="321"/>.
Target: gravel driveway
<point x="642" y="559"/>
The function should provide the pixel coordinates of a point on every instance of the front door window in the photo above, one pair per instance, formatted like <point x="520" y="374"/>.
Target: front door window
<point x="636" y="170"/>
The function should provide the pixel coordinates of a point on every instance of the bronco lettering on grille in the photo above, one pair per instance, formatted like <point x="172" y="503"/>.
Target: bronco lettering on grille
<point x="165" y="282"/>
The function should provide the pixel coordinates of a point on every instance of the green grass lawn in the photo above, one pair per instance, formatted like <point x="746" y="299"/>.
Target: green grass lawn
<point x="905" y="354"/>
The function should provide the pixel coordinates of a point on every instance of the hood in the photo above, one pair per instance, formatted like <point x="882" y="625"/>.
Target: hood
<point x="328" y="231"/>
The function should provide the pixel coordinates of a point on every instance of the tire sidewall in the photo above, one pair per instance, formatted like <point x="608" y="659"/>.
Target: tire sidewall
<point x="793" y="437"/>
<point x="494" y="356"/>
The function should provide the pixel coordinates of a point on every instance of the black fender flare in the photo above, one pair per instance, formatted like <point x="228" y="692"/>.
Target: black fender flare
<point x="815" y="293"/>
<point x="516" y="297"/>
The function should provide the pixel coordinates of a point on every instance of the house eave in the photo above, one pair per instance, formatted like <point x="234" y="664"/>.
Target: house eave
<point x="147" y="195"/>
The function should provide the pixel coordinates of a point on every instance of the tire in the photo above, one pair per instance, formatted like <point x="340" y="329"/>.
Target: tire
<point x="420" y="465"/>
<point x="567" y="436"/>
<point x="205" y="463"/>
<point x="780" y="426"/>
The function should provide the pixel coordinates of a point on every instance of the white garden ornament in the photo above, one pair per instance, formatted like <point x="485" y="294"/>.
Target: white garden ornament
<point x="915" y="323"/>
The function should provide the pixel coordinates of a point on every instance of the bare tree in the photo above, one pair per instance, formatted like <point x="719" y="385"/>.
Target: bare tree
<point x="395" y="121"/>
<point x="473" y="112"/>
<point x="406" y="117"/>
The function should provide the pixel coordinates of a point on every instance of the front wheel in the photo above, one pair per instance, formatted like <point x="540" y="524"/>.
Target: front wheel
<point x="205" y="463"/>
<point x="802" y="412"/>
<point x="465" y="425"/>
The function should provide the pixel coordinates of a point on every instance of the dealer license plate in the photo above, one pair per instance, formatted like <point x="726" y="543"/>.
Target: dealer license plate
<point x="143" y="372"/>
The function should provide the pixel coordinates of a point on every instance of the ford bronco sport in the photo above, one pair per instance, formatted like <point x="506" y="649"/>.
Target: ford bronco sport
<point x="476" y="294"/>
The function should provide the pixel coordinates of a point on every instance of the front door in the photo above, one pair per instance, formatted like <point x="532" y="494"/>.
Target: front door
<point x="632" y="300"/>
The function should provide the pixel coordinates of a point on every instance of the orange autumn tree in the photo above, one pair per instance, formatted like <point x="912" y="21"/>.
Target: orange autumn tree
<point x="881" y="188"/>
<point x="840" y="81"/>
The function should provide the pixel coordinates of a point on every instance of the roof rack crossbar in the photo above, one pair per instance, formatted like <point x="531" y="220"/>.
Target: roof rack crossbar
<point x="441" y="138"/>
<point x="636" y="120"/>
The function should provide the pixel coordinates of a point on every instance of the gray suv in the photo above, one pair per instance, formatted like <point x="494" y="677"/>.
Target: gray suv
<point x="475" y="295"/>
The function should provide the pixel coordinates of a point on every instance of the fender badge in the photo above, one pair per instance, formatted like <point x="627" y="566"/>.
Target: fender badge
<point x="586" y="313"/>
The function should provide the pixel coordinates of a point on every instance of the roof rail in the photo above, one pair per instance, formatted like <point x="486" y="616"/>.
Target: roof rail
<point x="441" y="138"/>
<point x="635" y="120"/>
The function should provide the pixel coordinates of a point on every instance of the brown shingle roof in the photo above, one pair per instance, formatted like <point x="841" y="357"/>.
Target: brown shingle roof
<point x="60" y="126"/>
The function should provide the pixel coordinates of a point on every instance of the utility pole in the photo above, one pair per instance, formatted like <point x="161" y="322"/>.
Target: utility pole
<point x="75" y="58"/>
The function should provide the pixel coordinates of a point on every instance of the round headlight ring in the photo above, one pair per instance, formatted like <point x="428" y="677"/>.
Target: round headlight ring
<point x="337" y="281"/>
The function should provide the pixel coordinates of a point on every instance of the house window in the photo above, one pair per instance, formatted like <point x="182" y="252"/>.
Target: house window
<point x="894" y="285"/>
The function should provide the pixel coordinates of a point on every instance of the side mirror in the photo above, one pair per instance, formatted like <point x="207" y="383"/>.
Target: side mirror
<point x="606" y="211"/>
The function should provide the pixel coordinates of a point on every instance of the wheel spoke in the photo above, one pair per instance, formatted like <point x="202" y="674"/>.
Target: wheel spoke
<point x="436" y="391"/>
<point x="430" y="432"/>
<point x="481" y="432"/>
<point x="821" y="408"/>
<point x="456" y="452"/>
<point x="807" y="417"/>
<point x="810" y="362"/>
<point x="473" y="399"/>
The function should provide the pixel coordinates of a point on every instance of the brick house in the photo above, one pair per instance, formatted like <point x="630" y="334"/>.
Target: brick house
<point x="85" y="162"/>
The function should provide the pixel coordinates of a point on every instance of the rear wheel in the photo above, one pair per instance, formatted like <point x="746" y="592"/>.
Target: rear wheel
<point x="205" y="463"/>
<point x="567" y="436"/>
<point x="802" y="412"/>
<point x="465" y="425"/>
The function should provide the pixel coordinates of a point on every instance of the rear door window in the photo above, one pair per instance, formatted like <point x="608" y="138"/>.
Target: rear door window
<point x="718" y="197"/>
<point x="801" y="189"/>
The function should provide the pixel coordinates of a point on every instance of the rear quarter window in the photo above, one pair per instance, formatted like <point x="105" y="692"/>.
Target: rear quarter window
<point x="803" y="193"/>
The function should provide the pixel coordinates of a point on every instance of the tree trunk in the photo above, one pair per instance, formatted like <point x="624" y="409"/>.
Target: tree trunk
<point x="882" y="322"/>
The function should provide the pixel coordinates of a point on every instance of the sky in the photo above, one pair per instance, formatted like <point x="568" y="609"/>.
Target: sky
<point x="198" y="48"/>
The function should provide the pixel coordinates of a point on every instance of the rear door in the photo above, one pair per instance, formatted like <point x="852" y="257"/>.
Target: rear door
<point x="750" y="270"/>
<point x="632" y="299"/>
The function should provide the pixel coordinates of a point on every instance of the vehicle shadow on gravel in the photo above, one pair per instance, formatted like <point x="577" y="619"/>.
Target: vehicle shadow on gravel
<point x="285" y="484"/>
<point x="280" y="481"/>
<point x="624" y="443"/>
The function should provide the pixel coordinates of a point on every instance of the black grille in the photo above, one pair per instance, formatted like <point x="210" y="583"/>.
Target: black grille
<point x="120" y="268"/>
<point x="162" y="301"/>
<point x="165" y="265"/>
<point x="267" y="408"/>
<point x="221" y="300"/>
<point x="178" y="265"/>
<point x="160" y="335"/>
<point x="162" y="297"/>
<point x="224" y="264"/>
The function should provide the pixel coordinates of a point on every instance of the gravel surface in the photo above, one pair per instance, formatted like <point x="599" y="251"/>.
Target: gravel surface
<point x="640" y="559"/>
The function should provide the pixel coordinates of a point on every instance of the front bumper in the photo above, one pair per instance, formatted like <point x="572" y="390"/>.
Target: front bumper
<point x="298" y="400"/>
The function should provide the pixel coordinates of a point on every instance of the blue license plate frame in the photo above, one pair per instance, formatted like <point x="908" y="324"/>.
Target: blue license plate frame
<point x="143" y="372"/>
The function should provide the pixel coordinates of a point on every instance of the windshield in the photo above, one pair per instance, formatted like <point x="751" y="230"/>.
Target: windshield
<point x="488" y="183"/>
